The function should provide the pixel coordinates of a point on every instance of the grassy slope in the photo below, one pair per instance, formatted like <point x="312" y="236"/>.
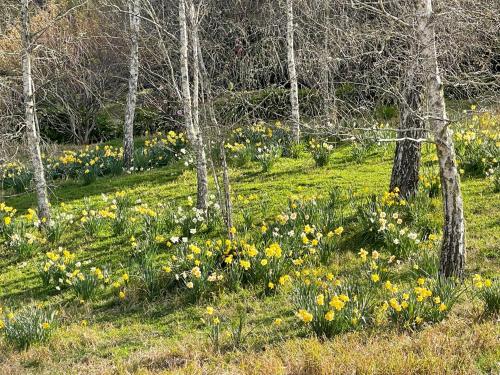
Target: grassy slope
<point x="167" y="335"/>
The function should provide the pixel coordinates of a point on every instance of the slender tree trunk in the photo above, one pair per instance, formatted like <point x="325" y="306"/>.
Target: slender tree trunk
<point x="453" y="250"/>
<point x="228" y="208"/>
<point x="406" y="166"/>
<point x="294" y="91"/>
<point x="30" y="119"/>
<point x="194" y="133"/>
<point x="128" y="128"/>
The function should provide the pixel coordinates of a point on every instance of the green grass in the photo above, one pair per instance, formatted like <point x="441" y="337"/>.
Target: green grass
<point x="168" y="335"/>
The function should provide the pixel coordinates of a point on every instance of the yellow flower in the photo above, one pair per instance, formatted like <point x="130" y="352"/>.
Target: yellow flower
<point x="274" y="250"/>
<point x="418" y="320"/>
<point x="305" y="316"/>
<point x="362" y="254"/>
<point x="395" y="304"/>
<point x="7" y="220"/>
<point x="270" y="285"/>
<point x="320" y="299"/>
<point x="216" y="320"/>
<point x="2" y="324"/>
<point x="125" y="277"/>
<point x="232" y="230"/>
<point x="263" y="262"/>
<point x="329" y="315"/>
<point x="210" y="310"/>
<point x="375" y="277"/>
<point x="337" y="303"/>
<point x="121" y="295"/>
<point x="278" y="321"/>
<point x="45" y="325"/>
<point x="487" y="283"/>
<point x="421" y="281"/>
<point x="339" y="231"/>
<point x="442" y="307"/>
<point x="245" y="264"/>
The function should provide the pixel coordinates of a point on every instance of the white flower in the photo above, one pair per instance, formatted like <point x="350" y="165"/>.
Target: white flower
<point x="396" y="241"/>
<point x="412" y="236"/>
<point x="174" y="239"/>
<point x="192" y="231"/>
<point x="184" y="239"/>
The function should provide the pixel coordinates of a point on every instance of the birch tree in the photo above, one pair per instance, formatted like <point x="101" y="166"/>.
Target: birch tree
<point x="128" y="128"/>
<point x="192" y="123"/>
<point x="31" y="125"/>
<point x="453" y="250"/>
<point x="292" y="72"/>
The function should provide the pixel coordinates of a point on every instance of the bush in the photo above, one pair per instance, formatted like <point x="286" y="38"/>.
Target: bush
<point x="28" y="326"/>
<point x="266" y="104"/>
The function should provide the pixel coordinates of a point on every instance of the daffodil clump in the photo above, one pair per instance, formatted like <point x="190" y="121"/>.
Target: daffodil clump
<point x="15" y="176"/>
<point x="478" y="143"/>
<point x="258" y="142"/>
<point x="27" y="326"/>
<point x="428" y="301"/>
<point x="6" y="216"/>
<point x="320" y="152"/>
<point x="430" y="182"/>
<point x="329" y="305"/>
<point x="90" y="162"/>
<point x="488" y="291"/>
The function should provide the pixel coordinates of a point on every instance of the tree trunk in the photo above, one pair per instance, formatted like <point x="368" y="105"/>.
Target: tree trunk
<point x="192" y="125"/>
<point x="294" y="91"/>
<point x="453" y="250"/>
<point x="30" y="119"/>
<point x="406" y="166"/>
<point x="128" y="128"/>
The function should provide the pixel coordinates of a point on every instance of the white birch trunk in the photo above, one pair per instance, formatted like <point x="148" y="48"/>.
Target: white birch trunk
<point x="192" y="124"/>
<point x="292" y="72"/>
<point x="453" y="250"/>
<point x="30" y="119"/>
<point x="128" y="128"/>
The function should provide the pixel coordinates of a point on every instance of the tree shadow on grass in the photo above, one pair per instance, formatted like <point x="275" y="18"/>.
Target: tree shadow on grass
<point x="70" y="190"/>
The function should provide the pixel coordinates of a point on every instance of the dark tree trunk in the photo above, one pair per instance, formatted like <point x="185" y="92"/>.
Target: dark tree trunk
<point x="405" y="170"/>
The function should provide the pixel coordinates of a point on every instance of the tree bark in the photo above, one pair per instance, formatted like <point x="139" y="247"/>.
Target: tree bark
<point x="30" y="119"/>
<point x="406" y="166"/>
<point x="192" y="124"/>
<point x="294" y="91"/>
<point x="453" y="250"/>
<point x="128" y="128"/>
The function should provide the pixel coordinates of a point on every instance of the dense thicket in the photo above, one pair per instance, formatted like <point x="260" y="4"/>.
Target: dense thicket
<point x="350" y="55"/>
